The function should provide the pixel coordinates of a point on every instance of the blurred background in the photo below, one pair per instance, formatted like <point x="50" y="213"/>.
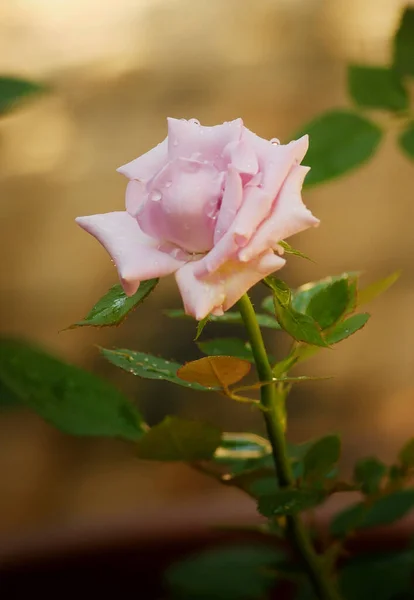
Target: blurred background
<point x="116" y="70"/>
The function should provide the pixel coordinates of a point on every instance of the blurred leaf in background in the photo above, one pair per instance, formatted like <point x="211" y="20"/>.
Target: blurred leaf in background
<point x="14" y="91"/>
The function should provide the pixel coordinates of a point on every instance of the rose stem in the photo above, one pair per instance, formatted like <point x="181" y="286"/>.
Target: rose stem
<point x="274" y="418"/>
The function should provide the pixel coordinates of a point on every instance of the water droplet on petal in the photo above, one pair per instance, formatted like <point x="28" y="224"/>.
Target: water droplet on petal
<point x="275" y="141"/>
<point x="211" y="211"/>
<point x="168" y="184"/>
<point x="175" y="142"/>
<point x="194" y="121"/>
<point x="155" y="196"/>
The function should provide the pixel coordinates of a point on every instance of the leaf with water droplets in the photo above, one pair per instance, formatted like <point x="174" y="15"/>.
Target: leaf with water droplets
<point x="214" y="371"/>
<point x="176" y="439"/>
<point x="70" y="398"/>
<point x="347" y="328"/>
<point x="115" y="305"/>
<point x="148" y="366"/>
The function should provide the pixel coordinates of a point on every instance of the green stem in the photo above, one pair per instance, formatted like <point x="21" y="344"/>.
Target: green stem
<point x="274" y="416"/>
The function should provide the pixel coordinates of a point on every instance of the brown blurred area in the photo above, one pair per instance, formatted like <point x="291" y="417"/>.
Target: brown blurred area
<point x="116" y="71"/>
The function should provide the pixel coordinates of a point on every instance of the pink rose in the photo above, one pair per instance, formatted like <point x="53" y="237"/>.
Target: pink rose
<point x="209" y="204"/>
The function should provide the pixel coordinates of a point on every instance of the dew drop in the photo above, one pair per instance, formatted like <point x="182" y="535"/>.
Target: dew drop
<point x="155" y="196"/>
<point x="194" y="121"/>
<point x="168" y="184"/>
<point x="175" y="142"/>
<point x="275" y="141"/>
<point x="211" y="211"/>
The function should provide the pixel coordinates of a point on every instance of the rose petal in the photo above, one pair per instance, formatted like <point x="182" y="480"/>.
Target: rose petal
<point x="146" y="166"/>
<point x="135" y="196"/>
<point x="135" y="255"/>
<point x="242" y="157"/>
<point x="183" y="204"/>
<point x="289" y="216"/>
<point x="230" y="204"/>
<point x="279" y="161"/>
<point x="187" y="139"/>
<point x="222" y="289"/>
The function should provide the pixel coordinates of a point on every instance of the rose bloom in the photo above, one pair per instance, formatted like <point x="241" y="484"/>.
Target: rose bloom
<point x="209" y="204"/>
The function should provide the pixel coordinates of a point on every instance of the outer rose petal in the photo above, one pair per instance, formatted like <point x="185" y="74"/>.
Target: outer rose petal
<point x="146" y="166"/>
<point x="279" y="162"/>
<point x="135" y="255"/>
<point x="289" y="216"/>
<point x="220" y="290"/>
<point x="187" y="139"/>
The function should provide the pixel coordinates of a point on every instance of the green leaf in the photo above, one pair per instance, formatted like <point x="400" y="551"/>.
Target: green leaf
<point x="287" y="248"/>
<point x="328" y="305"/>
<point x="390" y="508"/>
<point x="346" y="328"/>
<point x="200" y="326"/>
<point x="115" y="305"/>
<point x="73" y="400"/>
<point x="231" y="317"/>
<point x="176" y="439"/>
<point x="289" y="502"/>
<point x="368" y="473"/>
<point x="226" y="573"/>
<point x="321" y="457"/>
<point x="406" y="454"/>
<point x="8" y="399"/>
<point x="227" y="346"/>
<point x="380" y="576"/>
<point x="301" y="327"/>
<point x="383" y="511"/>
<point x="406" y="140"/>
<point x="148" y="366"/>
<point x="377" y="87"/>
<point x="14" y="90"/>
<point x="305" y="293"/>
<point x="370" y="292"/>
<point x="348" y="520"/>
<point x="340" y="141"/>
<point x="404" y="44"/>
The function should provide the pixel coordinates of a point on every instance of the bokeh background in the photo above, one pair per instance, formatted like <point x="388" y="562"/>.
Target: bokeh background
<point x="116" y="70"/>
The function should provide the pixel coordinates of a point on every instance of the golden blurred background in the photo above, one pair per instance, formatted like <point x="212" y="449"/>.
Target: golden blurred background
<point x="116" y="70"/>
